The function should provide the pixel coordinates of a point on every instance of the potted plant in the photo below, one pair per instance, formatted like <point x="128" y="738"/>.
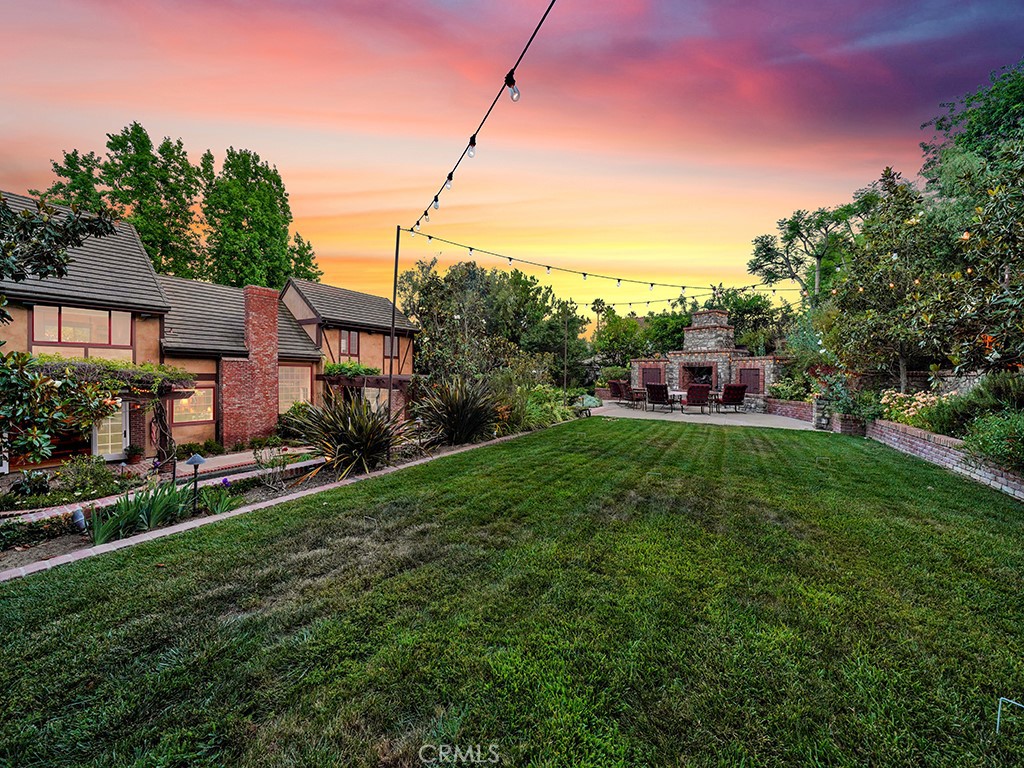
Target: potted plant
<point x="134" y="453"/>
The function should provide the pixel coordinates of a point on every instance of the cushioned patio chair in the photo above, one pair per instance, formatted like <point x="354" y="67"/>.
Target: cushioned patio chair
<point x="657" y="394"/>
<point x="616" y="389"/>
<point x="633" y="397"/>
<point x="698" y="394"/>
<point x="732" y="395"/>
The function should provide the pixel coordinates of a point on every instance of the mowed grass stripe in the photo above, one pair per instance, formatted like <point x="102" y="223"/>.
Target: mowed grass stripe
<point x="602" y="593"/>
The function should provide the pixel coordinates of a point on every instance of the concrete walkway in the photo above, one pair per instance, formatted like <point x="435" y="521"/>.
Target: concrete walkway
<point x="694" y="416"/>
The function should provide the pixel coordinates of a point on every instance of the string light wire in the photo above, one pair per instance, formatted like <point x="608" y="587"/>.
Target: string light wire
<point x="509" y="81"/>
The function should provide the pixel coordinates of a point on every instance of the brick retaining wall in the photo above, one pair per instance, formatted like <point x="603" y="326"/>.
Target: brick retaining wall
<point x="793" y="409"/>
<point x="946" y="452"/>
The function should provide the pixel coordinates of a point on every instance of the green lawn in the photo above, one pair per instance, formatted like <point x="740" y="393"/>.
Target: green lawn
<point x="602" y="593"/>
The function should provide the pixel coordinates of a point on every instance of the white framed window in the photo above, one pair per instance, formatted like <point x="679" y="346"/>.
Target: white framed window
<point x="294" y="385"/>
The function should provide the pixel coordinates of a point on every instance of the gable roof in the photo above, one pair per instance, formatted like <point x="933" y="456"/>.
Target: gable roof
<point x="209" y="319"/>
<point x="112" y="272"/>
<point x="351" y="309"/>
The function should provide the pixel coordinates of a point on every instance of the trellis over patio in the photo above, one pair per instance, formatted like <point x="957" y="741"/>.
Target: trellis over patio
<point x="710" y="356"/>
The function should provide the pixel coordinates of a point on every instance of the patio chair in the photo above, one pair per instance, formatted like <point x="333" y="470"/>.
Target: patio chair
<point x="657" y="394"/>
<point x="733" y="394"/>
<point x="616" y="389"/>
<point x="633" y="397"/>
<point x="698" y="394"/>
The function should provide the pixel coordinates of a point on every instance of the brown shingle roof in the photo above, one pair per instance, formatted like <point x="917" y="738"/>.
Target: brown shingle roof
<point x="351" y="309"/>
<point x="108" y="272"/>
<point x="209" y="319"/>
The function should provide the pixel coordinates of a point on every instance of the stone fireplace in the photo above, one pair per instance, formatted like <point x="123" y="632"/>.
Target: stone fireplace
<point x="709" y="356"/>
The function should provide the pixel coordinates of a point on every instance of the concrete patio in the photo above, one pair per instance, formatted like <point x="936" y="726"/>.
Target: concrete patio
<point x="694" y="416"/>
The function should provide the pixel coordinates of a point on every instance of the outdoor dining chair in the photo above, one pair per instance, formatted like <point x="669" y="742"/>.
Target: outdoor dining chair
<point x="733" y="394"/>
<point x="700" y="395"/>
<point x="657" y="394"/>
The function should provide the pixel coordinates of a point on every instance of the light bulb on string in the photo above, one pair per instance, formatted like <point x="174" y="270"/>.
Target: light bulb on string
<point x="510" y="261"/>
<point x="651" y="288"/>
<point x="549" y="270"/>
<point x="416" y="226"/>
<point x="471" y="252"/>
<point x="510" y="83"/>
<point x="618" y="283"/>
<point x="448" y="182"/>
<point x="472" y="146"/>
<point x="584" y="275"/>
<point x="426" y="217"/>
<point x="437" y="203"/>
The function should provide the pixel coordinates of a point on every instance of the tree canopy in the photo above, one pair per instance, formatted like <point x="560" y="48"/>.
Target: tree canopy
<point x="231" y="226"/>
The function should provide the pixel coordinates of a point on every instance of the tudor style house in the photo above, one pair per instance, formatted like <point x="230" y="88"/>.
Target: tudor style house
<point x="252" y="351"/>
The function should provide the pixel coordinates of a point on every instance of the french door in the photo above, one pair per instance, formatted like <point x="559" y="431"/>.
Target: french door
<point x="110" y="436"/>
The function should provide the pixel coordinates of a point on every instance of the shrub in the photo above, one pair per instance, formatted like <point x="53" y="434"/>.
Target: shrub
<point x="286" y="421"/>
<point x="545" y="406"/>
<point x="185" y="450"/>
<point x="33" y="482"/>
<point x="144" y="511"/>
<point x="350" y="369"/>
<point x="612" y="373"/>
<point x="908" y="407"/>
<point x="954" y="414"/>
<point x="25" y="534"/>
<point x="217" y="499"/>
<point x="457" y="410"/>
<point x="350" y="434"/>
<point x="790" y="388"/>
<point x="87" y="477"/>
<point x="212" y="448"/>
<point x="998" y="437"/>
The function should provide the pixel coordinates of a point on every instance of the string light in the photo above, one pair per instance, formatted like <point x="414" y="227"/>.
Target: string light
<point x="426" y="217"/>
<point x="508" y="82"/>
<point x="512" y="260"/>
<point x="437" y="203"/>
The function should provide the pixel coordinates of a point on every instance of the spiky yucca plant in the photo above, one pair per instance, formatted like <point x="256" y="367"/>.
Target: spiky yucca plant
<point x="458" y="410"/>
<point x="349" y="434"/>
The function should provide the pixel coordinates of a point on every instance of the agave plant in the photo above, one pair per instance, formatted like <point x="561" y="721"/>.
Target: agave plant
<point x="350" y="434"/>
<point x="458" y="410"/>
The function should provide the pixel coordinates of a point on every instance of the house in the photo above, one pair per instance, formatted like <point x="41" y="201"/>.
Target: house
<point x="250" y="353"/>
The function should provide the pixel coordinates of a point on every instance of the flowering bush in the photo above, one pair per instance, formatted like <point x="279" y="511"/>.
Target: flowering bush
<point x="910" y="407"/>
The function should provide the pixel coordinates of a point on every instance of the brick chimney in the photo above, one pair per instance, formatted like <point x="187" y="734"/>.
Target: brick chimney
<point x="248" y="386"/>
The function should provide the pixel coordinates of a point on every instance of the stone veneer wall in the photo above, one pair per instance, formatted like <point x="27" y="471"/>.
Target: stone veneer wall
<point x="945" y="452"/>
<point x="792" y="409"/>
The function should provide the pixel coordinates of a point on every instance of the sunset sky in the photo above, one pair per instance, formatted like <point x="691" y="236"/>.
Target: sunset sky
<point x="653" y="140"/>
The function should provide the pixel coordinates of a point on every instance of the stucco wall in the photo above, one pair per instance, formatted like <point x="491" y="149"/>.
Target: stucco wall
<point x="16" y="333"/>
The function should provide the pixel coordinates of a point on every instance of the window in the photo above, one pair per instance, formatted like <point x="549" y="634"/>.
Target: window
<point x="294" y="385"/>
<point x="387" y="346"/>
<point x="196" y="409"/>
<point x="88" y="327"/>
<point x="348" y="343"/>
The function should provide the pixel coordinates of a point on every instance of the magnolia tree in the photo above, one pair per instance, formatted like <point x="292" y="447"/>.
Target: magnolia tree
<point x="33" y="406"/>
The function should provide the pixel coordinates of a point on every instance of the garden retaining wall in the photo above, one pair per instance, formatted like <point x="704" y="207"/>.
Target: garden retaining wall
<point x="793" y="409"/>
<point x="946" y="452"/>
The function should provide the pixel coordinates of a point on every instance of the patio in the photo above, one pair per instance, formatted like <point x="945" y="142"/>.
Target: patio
<point x="729" y="419"/>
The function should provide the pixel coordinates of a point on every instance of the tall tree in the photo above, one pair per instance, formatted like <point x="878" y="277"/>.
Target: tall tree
<point x="979" y="122"/>
<point x="620" y="339"/>
<point x="303" y="260"/>
<point x="248" y="215"/>
<point x="805" y="241"/>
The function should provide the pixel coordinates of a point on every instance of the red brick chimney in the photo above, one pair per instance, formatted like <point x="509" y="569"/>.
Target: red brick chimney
<point x="248" y="386"/>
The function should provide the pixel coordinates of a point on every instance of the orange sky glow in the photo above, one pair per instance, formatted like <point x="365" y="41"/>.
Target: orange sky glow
<point x="654" y="139"/>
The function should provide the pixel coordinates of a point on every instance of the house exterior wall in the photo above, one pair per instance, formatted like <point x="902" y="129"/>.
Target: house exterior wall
<point x="16" y="333"/>
<point x="300" y="311"/>
<point x="205" y="371"/>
